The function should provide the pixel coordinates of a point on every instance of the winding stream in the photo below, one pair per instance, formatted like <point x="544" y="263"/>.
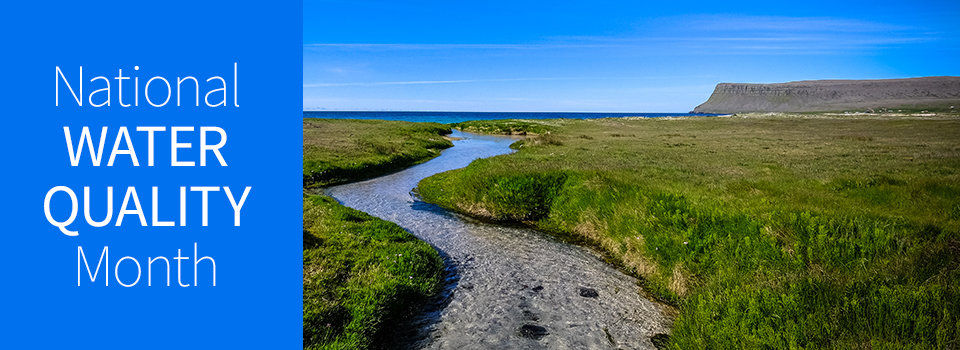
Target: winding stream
<point x="508" y="287"/>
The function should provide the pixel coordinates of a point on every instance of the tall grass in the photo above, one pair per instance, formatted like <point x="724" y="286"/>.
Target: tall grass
<point x="361" y="276"/>
<point x="769" y="232"/>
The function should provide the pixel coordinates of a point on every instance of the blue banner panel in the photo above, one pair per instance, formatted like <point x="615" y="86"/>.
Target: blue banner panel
<point x="152" y="167"/>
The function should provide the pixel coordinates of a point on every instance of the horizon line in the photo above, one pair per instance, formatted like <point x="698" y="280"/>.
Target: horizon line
<point x="435" y="111"/>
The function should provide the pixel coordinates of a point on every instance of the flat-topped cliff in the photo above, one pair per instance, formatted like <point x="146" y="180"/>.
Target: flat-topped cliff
<point x="834" y="95"/>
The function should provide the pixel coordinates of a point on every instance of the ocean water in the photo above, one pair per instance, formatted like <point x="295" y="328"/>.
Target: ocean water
<point x="456" y="117"/>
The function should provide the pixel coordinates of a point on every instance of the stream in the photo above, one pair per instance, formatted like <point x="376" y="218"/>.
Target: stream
<point x="507" y="287"/>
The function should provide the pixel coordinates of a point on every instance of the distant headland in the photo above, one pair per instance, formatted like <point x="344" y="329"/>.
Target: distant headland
<point x="931" y="93"/>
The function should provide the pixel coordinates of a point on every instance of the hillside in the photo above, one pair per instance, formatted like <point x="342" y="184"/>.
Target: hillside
<point x="936" y="93"/>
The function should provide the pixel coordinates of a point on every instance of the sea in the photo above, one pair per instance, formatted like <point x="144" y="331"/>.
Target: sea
<point x="456" y="117"/>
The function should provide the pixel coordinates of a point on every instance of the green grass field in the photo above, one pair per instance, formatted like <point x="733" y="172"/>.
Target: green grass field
<point x="775" y="231"/>
<point x="339" y="151"/>
<point x="361" y="274"/>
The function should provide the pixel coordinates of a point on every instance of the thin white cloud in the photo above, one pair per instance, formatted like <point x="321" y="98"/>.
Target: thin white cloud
<point x="467" y="81"/>
<point x="384" y="83"/>
<point x="770" y="34"/>
<point x="448" y="46"/>
<point x="784" y="24"/>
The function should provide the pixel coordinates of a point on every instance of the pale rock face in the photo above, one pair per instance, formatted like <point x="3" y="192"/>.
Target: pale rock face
<point x="833" y="95"/>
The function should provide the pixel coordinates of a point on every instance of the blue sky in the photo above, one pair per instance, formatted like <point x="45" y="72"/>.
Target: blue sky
<point x="597" y="56"/>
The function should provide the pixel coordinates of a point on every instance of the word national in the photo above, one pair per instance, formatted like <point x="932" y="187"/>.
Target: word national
<point x="157" y="91"/>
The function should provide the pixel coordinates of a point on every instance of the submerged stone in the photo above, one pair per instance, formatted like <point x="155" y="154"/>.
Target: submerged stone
<point x="532" y="331"/>
<point x="660" y="340"/>
<point x="527" y="314"/>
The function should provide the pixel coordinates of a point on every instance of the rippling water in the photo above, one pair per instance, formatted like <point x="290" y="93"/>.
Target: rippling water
<point x="508" y="287"/>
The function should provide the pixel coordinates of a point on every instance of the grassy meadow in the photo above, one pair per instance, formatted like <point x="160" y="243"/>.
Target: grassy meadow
<point x="767" y="231"/>
<point x="337" y="151"/>
<point x="361" y="274"/>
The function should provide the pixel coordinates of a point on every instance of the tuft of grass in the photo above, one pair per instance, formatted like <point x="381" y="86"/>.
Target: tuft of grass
<point x="504" y="127"/>
<point x="337" y="151"/>
<point x="767" y="231"/>
<point x="361" y="275"/>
